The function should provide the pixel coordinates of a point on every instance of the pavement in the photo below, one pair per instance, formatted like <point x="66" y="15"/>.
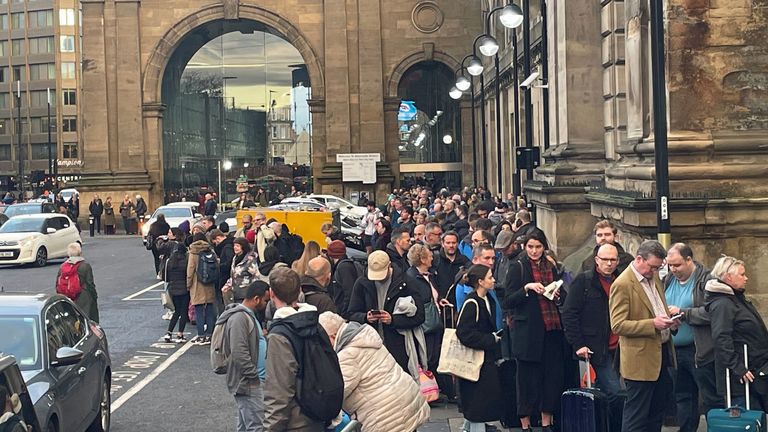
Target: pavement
<point x="157" y="386"/>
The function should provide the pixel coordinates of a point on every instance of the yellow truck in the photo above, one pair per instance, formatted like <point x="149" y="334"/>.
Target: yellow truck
<point x="302" y="222"/>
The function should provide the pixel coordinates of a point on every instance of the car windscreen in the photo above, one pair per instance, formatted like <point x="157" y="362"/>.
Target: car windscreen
<point x="16" y="225"/>
<point x="173" y="212"/>
<point x="21" y="338"/>
<point x="23" y="209"/>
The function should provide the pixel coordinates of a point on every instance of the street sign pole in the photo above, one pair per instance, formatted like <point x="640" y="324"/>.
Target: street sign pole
<point x="661" y="154"/>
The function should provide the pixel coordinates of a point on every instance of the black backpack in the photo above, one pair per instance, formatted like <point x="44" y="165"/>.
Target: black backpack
<point x="319" y="382"/>
<point x="208" y="267"/>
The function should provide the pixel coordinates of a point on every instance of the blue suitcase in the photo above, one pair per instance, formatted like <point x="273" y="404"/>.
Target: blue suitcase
<point x="584" y="409"/>
<point x="735" y="418"/>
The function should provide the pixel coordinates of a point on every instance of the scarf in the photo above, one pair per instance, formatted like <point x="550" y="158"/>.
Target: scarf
<point x="382" y="287"/>
<point x="415" y="344"/>
<point x="542" y="273"/>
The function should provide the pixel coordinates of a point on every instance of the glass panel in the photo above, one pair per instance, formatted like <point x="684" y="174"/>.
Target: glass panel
<point x="68" y="70"/>
<point x="70" y="150"/>
<point x="67" y="43"/>
<point x="17" y="20"/>
<point x="221" y="104"/>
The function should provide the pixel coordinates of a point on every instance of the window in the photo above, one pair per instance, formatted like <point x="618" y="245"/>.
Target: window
<point x="17" y="47"/>
<point x="23" y="100"/>
<point x="70" y="96"/>
<point x="19" y="73"/>
<point x="40" y="98"/>
<point x="41" y="19"/>
<point x="17" y="20"/>
<point x="18" y="1"/>
<point x="40" y="151"/>
<point x="67" y="43"/>
<point x="43" y="45"/>
<point x="43" y="71"/>
<point x="70" y="150"/>
<point x="4" y="127"/>
<point x="67" y="17"/>
<point x="3" y="48"/>
<point x="67" y="70"/>
<point x="3" y="74"/>
<point x="5" y="152"/>
<point x="3" y="22"/>
<point x="69" y="124"/>
<point x="39" y="125"/>
<point x="5" y="99"/>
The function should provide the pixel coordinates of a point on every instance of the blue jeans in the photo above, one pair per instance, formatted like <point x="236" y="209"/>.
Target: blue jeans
<point x="686" y="388"/>
<point x="204" y="319"/>
<point x="250" y="410"/>
<point x="609" y="383"/>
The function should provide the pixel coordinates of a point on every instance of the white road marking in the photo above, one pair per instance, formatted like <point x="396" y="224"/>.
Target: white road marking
<point x="157" y="299"/>
<point x="149" y="378"/>
<point x="153" y="353"/>
<point x="149" y="288"/>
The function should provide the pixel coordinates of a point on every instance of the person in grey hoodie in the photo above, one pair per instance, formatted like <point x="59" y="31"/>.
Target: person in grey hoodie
<point x="245" y="348"/>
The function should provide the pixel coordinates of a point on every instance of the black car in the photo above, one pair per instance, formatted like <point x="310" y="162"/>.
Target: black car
<point x="29" y="208"/>
<point x="11" y="378"/>
<point x="63" y="357"/>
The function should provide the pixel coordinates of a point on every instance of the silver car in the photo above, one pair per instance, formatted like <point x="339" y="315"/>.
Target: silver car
<point x="63" y="357"/>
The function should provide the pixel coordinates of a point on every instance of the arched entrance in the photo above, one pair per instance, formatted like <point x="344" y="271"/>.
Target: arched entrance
<point x="236" y="113"/>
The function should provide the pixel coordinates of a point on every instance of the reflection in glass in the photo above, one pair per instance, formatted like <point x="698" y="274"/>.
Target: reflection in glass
<point x="234" y="92"/>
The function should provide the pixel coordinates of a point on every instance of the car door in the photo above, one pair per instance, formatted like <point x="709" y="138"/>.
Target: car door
<point x="69" y="233"/>
<point x="53" y="241"/>
<point x="92" y="364"/>
<point x="66" y="381"/>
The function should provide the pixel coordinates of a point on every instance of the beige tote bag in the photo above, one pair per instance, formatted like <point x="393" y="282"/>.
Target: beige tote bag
<point x="455" y="358"/>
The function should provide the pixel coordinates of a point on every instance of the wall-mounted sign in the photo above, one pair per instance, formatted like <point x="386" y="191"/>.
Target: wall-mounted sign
<point x="70" y="163"/>
<point x="358" y="167"/>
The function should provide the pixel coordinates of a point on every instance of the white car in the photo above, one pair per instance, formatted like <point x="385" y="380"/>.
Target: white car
<point x="175" y="214"/>
<point x="67" y="194"/>
<point x="345" y="207"/>
<point x="36" y="238"/>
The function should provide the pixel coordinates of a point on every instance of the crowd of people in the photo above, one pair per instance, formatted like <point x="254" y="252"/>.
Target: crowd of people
<point x="657" y="344"/>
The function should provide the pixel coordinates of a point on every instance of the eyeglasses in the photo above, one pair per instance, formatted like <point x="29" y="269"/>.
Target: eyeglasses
<point x="610" y="260"/>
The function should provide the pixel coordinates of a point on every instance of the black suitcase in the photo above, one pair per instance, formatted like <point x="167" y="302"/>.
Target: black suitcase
<point x="584" y="409"/>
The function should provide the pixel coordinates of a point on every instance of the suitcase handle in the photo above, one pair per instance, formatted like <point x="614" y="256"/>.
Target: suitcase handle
<point x="728" y="383"/>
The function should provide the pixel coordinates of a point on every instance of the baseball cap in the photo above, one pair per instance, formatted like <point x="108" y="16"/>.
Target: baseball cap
<point x="504" y="239"/>
<point x="378" y="265"/>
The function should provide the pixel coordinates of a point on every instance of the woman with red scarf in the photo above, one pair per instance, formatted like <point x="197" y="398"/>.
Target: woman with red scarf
<point x="537" y="339"/>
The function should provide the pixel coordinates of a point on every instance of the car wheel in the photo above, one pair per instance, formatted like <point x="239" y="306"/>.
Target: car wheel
<point x="41" y="258"/>
<point x="103" y="417"/>
<point x="52" y="425"/>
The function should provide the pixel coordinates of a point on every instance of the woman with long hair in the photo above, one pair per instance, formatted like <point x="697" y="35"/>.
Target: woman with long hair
<point x="311" y="250"/>
<point x="384" y="231"/>
<point x="480" y="401"/>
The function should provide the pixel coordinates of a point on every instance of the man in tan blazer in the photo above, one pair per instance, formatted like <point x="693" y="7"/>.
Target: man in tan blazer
<point x="639" y="315"/>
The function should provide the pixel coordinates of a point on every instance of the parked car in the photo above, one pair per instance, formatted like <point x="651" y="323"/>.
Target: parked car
<point x="36" y="238"/>
<point x="352" y="233"/>
<point x="11" y="378"/>
<point x="345" y="207"/>
<point x="175" y="214"/>
<point x="67" y="194"/>
<point x="230" y="217"/>
<point x="29" y="208"/>
<point x="295" y="203"/>
<point x="64" y="360"/>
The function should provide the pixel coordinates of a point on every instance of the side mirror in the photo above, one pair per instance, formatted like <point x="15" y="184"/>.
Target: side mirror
<point x="66" y="356"/>
<point x="50" y="230"/>
<point x="349" y="207"/>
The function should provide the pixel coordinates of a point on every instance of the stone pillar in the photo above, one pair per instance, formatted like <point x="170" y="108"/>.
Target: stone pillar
<point x="371" y="77"/>
<point x="576" y="154"/>
<point x="153" y="145"/>
<point x="717" y="137"/>
<point x="319" y="146"/>
<point x="337" y="85"/>
<point x="95" y="121"/>
<point x="468" y="167"/>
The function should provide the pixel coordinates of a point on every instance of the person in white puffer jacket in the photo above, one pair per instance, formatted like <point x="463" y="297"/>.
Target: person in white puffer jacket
<point x="384" y="397"/>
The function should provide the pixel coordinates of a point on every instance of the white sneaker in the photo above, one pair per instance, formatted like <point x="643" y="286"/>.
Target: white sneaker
<point x="158" y="277"/>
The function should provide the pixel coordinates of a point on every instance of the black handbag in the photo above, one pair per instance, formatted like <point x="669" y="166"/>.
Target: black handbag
<point x="432" y="321"/>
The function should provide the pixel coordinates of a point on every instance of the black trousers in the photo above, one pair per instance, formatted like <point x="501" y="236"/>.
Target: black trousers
<point x="180" y="310"/>
<point x="97" y="223"/>
<point x="647" y="400"/>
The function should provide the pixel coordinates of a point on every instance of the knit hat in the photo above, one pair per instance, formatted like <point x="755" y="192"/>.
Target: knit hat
<point x="337" y="249"/>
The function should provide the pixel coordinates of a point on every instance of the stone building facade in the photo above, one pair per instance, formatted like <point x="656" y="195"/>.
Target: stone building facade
<point x="600" y="157"/>
<point x="355" y="50"/>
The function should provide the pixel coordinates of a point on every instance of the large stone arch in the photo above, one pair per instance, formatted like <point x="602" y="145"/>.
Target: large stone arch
<point x="396" y="73"/>
<point x="164" y="49"/>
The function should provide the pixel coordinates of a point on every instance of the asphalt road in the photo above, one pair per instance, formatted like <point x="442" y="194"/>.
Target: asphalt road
<point x="156" y="386"/>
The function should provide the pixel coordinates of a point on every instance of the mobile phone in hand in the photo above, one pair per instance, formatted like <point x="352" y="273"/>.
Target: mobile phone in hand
<point x="676" y="316"/>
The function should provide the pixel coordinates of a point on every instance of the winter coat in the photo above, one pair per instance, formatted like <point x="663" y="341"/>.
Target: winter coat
<point x="735" y="321"/>
<point x="697" y="316"/>
<point x="11" y="422"/>
<point x="87" y="301"/>
<point x="199" y="292"/>
<point x="528" y="337"/>
<point x="317" y="295"/>
<point x="397" y="260"/>
<point x="461" y="227"/>
<point x="109" y="214"/>
<point x="281" y="409"/>
<point x="481" y="401"/>
<point x="96" y="208"/>
<point x="241" y="346"/>
<point x="175" y="266"/>
<point x="585" y="316"/>
<point x="126" y="209"/>
<point x="344" y="274"/>
<point x="382" y="241"/>
<point x="445" y="272"/>
<point x="242" y="274"/>
<point x="141" y="207"/>
<point x="384" y="396"/>
<point x="266" y="268"/>
<point x="365" y="298"/>
<point x="226" y="253"/>
<point x="209" y="208"/>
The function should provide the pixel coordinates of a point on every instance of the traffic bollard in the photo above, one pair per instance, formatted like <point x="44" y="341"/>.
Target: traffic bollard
<point x="90" y="223"/>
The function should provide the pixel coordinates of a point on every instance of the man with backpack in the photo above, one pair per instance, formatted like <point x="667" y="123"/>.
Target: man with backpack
<point x="202" y="276"/>
<point x="304" y="388"/>
<point x="75" y="280"/>
<point x="344" y="273"/>
<point x="239" y="350"/>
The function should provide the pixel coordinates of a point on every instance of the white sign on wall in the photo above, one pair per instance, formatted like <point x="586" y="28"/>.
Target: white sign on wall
<point x="358" y="167"/>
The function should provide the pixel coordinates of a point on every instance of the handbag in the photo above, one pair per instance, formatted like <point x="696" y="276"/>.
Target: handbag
<point x="166" y="299"/>
<point x="428" y="385"/>
<point x="432" y="322"/>
<point x="457" y="359"/>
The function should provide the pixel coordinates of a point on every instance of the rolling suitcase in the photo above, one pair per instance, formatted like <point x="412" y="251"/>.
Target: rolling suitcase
<point x="584" y="409"/>
<point x="734" y="418"/>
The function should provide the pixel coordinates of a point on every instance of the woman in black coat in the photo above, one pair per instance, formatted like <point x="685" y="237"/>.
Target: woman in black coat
<point x="480" y="401"/>
<point x="158" y="229"/>
<point x="538" y="343"/>
<point x="175" y="276"/>
<point x="384" y="231"/>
